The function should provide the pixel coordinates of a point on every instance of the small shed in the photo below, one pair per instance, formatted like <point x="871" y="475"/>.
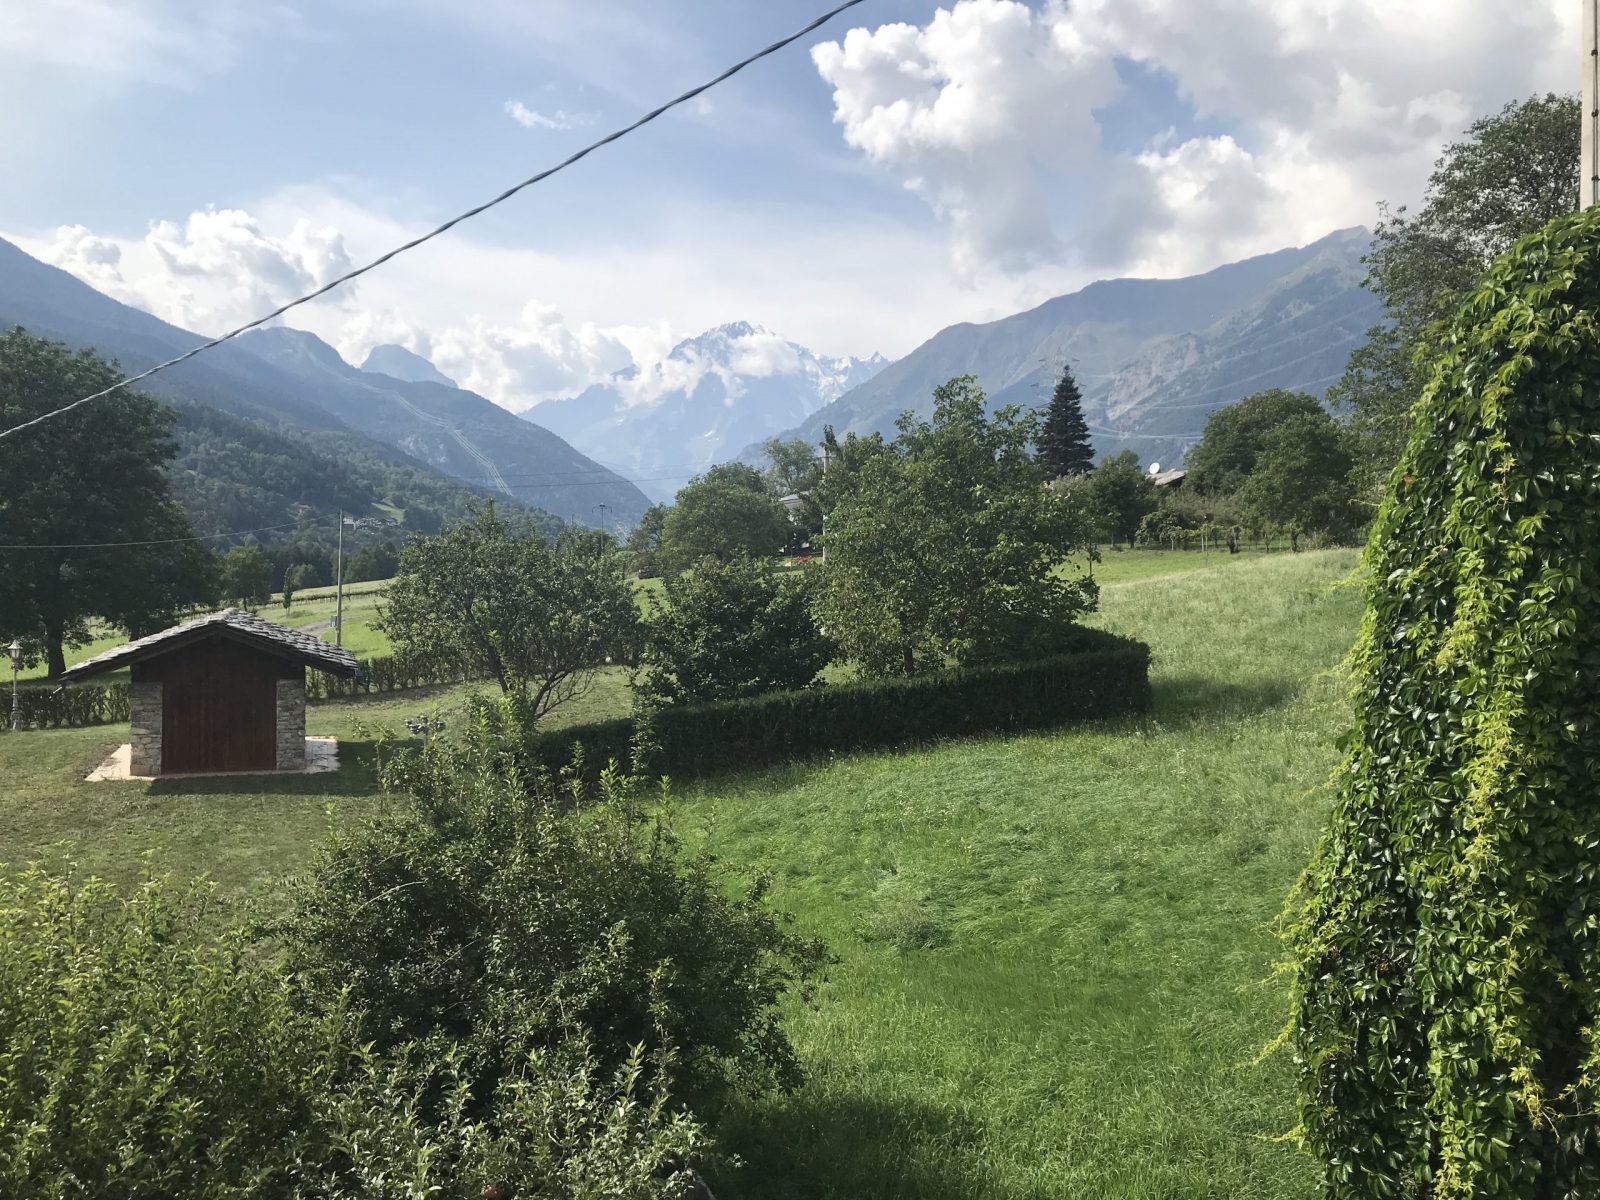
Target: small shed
<point x="224" y="692"/>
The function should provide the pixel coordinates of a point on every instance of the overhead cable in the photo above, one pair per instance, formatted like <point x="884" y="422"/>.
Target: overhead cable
<point x="448" y="225"/>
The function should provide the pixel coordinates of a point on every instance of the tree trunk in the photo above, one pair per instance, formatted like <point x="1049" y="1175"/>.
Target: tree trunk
<point x="57" y="658"/>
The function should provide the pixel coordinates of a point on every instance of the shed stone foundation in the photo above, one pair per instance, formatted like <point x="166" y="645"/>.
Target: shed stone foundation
<point x="144" y="722"/>
<point x="292" y="724"/>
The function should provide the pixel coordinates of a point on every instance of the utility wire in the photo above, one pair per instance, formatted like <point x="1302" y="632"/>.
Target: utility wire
<point x="205" y="537"/>
<point x="451" y="223"/>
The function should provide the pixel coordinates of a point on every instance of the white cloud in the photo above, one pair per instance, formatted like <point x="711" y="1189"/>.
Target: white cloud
<point x="215" y="271"/>
<point x="987" y="112"/>
<point x="530" y="118"/>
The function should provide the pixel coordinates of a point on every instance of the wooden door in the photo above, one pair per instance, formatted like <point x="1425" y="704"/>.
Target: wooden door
<point x="218" y="709"/>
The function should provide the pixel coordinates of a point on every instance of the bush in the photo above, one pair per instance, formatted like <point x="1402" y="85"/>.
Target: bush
<point x="729" y="630"/>
<point x="1095" y="674"/>
<point x="68" y="707"/>
<point x="490" y="912"/>
<point x="387" y="673"/>
<point x="1445" y="1002"/>
<point x="142" y="1059"/>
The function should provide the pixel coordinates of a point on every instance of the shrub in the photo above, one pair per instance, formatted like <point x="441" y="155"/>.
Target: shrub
<point x="68" y="707"/>
<point x="1093" y="675"/>
<point x="728" y="630"/>
<point x="1445" y="1004"/>
<point x="491" y="910"/>
<point x="947" y="546"/>
<point x="141" y="1058"/>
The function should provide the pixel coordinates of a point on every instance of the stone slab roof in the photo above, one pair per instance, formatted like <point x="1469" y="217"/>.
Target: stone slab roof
<point x="233" y="623"/>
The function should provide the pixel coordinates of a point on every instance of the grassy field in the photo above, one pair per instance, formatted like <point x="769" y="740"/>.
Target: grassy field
<point x="1054" y="951"/>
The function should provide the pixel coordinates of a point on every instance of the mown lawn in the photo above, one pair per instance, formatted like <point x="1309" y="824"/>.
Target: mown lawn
<point x="1055" y="951"/>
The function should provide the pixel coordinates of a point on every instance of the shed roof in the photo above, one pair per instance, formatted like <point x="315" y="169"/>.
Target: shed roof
<point x="232" y="623"/>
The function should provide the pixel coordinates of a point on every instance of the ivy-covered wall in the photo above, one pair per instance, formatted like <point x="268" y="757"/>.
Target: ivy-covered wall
<point x="1448" y="943"/>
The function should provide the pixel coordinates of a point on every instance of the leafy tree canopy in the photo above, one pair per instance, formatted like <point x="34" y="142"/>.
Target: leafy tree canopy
<point x="1064" y="443"/>
<point x="1234" y="435"/>
<point x="503" y="601"/>
<point x="1445" y="1009"/>
<point x="1511" y="174"/>
<point x="246" y="577"/>
<point x="644" y="543"/>
<point x="1118" y="495"/>
<point x="945" y="546"/>
<point x="731" y="629"/>
<point x="94" y="475"/>
<point x="1301" y="480"/>
<point x="725" y="512"/>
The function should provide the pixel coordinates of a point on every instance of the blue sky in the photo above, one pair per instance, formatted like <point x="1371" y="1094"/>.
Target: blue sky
<point x="928" y="164"/>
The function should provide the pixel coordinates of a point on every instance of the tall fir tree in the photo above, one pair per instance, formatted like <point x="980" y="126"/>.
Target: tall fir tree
<point x="1064" y="444"/>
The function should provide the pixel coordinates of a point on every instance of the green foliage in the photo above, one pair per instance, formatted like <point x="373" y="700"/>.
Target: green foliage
<point x="1300" y="482"/>
<point x="388" y="673"/>
<point x="66" y="707"/>
<point x="1118" y="495"/>
<point x="727" y="511"/>
<point x="144" y="1058"/>
<point x="94" y="475"/>
<point x="492" y="911"/>
<point x="246" y="577"/>
<point x="644" y="543"/>
<point x="731" y="629"/>
<point x="1234" y="436"/>
<point x="1511" y="174"/>
<point x="1092" y="675"/>
<point x="496" y="600"/>
<point x="946" y="546"/>
<point x="1064" y="443"/>
<point x="1445" y="1011"/>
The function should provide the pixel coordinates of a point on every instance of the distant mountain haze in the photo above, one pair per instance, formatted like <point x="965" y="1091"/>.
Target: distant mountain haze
<point x="399" y="363"/>
<point x="297" y="388"/>
<point x="1153" y="357"/>
<point x="712" y="396"/>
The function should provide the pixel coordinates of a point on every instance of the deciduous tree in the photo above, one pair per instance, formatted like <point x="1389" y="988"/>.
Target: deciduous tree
<point x="1234" y="435"/>
<point x="97" y="476"/>
<point x="945" y="546"/>
<point x="500" y="600"/>
<point x="1119" y="494"/>
<point x="725" y="512"/>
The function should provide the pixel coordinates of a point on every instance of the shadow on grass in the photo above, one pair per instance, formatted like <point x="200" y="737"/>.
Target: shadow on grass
<point x="1187" y="700"/>
<point x="851" y="1148"/>
<point x="357" y="775"/>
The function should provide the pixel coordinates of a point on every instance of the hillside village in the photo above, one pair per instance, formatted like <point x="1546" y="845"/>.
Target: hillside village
<point x="1130" y="743"/>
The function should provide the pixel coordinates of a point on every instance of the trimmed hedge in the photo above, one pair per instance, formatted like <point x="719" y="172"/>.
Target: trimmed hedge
<point x="1098" y="675"/>
<point x="389" y="673"/>
<point x="66" y="707"/>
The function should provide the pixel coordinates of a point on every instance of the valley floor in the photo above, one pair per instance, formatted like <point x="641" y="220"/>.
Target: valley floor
<point x="1055" y="951"/>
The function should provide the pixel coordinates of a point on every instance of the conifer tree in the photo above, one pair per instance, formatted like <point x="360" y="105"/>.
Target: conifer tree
<point x="1064" y="444"/>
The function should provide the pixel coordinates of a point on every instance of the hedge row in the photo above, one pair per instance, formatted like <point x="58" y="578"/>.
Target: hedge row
<point x="63" y="707"/>
<point x="389" y="673"/>
<point x="1099" y="675"/>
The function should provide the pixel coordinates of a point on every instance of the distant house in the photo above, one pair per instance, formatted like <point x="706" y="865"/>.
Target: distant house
<point x="1171" y="479"/>
<point x="225" y="692"/>
<point x="793" y="502"/>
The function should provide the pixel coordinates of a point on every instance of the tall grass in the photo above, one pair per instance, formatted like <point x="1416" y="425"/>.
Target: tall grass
<point x="1056" y="950"/>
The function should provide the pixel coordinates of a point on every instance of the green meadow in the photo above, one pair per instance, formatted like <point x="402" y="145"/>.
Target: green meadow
<point x="1055" y="952"/>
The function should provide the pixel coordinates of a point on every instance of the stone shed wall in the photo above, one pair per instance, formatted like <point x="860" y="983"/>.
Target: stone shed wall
<point x="292" y="724"/>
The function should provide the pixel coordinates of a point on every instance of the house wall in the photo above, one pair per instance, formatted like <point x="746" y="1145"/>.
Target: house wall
<point x="144" y="722"/>
<point x="292" y="723"/>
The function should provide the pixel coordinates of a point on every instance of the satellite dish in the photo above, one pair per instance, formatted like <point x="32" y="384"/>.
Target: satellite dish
<point x="1155" y="468"/>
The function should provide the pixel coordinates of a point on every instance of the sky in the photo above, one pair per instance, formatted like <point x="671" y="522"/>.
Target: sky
<point x="912" y="165"/>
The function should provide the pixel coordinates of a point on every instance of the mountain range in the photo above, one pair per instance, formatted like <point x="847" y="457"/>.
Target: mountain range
<point x="733" y="386"/>
<point x="275" y="423"/>
<point x="1153" y="357"/>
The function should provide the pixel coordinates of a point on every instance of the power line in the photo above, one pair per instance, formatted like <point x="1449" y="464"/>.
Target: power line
<point x="206" y="537"/>
<point x="451" y="223"/>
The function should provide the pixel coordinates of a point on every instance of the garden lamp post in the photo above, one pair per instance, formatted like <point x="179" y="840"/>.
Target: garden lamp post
<point x="15" y="650"/>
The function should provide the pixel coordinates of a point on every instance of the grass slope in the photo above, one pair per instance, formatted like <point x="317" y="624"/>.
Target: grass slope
<point x="1055" y="950"/>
